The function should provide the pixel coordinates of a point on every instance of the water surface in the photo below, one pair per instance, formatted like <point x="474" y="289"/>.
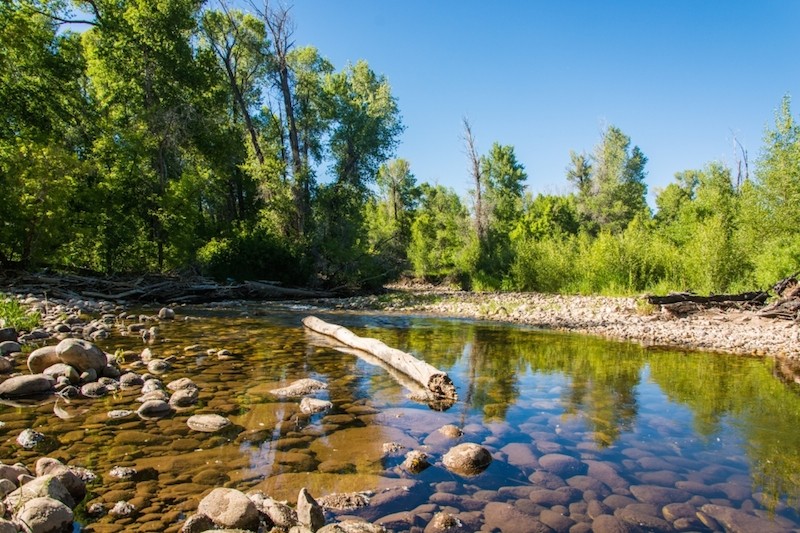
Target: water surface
<point x="708" y="428"/>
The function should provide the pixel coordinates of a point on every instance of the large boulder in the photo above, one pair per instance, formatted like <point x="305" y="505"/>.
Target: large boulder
<point x="42" y="358"/>
<point x="21" y="386"/>
<point x="44" y="515"/>
<point x="229" y="508"/>
<point x="41" y="487"/>
<point x="81" y="354"/>
<point x="467" y="459"/>
<point x="72" y="481"/>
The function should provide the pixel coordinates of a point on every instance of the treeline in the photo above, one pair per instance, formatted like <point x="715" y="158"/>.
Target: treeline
<point x="175" y="136"/>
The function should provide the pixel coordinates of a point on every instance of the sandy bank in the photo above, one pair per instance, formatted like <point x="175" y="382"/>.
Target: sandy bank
<point x="731" y="331"/>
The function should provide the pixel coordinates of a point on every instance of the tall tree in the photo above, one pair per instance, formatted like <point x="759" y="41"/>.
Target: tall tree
<point x="616" y="190"/>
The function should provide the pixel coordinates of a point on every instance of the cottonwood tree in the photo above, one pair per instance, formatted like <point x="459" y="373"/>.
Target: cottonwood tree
<point x="614" y="191"/>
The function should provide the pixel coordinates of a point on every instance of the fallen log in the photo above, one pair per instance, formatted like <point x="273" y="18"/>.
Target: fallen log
<point x="756" y="297"/>
<point x="418" y="392"/>
<point x="437" y="382"/>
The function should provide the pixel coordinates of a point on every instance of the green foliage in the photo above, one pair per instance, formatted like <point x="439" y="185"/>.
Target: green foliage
<point x="14" y="315"/>
<point x="253" y="254"/>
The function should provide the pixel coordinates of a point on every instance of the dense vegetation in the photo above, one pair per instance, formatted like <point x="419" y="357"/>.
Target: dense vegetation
<point x="167" y="136"/>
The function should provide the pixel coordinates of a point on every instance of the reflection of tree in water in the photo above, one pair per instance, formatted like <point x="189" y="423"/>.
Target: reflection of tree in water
<point x="743" y="392"/>
<point x="603" y="379"/>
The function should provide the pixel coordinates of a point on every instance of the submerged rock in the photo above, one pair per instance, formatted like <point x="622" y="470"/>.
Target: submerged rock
<point x="301" y="387"/>
<point x="208" y="423"/>
<point x="467" y="459"/>
<point x="30" y="438"/>
<point x="313" y="405"/>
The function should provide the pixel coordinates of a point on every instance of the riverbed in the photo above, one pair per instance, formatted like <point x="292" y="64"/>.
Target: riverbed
<point x="583" y="431"/>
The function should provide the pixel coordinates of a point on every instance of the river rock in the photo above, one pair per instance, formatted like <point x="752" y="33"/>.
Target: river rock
<point x="158" y="366"/>
<point x="184" y="398"/>
<point x="42" y="358"/>
<point x="301" y="387"/>
<point x="150" y="385"/>
<point x="562" y="465"/>
<point x="8" y="334"/>
<point x="509" y="519"/>
<point x="467" y="459"/>
<point x="609" y="524"/>
<point x="166" y="313"/>
<point x="352" y="526"/>
<point x="94" y="390"/>
<point x="182" y="383"/>
<point x="29" y="438"/>
<point x="41" y="487"/>
<point x="345" y="501"/>
<point x="12" y="473"/>
<point x="153" y="395"/>
<point x="81" y="354"/>
<point x="110" y="371"/>
<point x="229" y="508"/>
<point x="197" y="523"/>
<point x="641" y="520"/>
<point x="130" y="380"/>
<point x="313" y="405"/>
<point x="416" y="461"/>
<point x="658" y="495"/>
<point x="309" y="512"/>
<point x="122" y="508"/>
<point x="207" y="423"/>
<point x="281" y="515"/>
<point x="154" y="409"/>
<point x="444" y="522"/>
<point x="44" y="515"/>
<point x="72" y="481"/>
<point x="736" y="521"/>
<point x="9" y="347"/>
<point x="6" y="365"/>
<point x="61" y="369"/>
<point x="21" y="386"/>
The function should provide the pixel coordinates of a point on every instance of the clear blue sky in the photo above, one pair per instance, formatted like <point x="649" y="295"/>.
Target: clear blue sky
<point x="679" y="77"/>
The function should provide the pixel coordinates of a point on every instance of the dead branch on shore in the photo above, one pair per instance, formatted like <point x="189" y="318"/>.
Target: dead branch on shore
<point x="436" y="382"/>
<point x="150" y="289"/>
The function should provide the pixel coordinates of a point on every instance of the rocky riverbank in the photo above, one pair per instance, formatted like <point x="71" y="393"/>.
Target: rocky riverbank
<point x="735" y="331"/>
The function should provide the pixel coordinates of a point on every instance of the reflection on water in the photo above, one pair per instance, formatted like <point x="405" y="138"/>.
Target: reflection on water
<point x="651" y="426"/>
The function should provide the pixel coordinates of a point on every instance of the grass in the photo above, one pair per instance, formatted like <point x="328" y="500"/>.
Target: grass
<point x="14" y="315"/>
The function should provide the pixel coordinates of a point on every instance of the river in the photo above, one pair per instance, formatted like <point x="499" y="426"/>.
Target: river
<point x="578" y="428"/>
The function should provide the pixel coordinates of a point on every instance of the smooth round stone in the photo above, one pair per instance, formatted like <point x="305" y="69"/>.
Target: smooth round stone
<point x="153" y="395"/>
<point x="154" y="409"/>
<point x="45" y="515"/>
<point x="467" y="459"/>
<point x="81" y="354"/>
<point x="183" y="398"/>
<point x="21" y="386"/>
<point x="229" y="508"/>
<point x="166" y="313"/>
<point x="94" y="390"/>
<point x="562" y="465"/>
<point x="7" y="347"/>
<point x="41" y="358"/>
<point x="158" y="366"/>
<point x="6" y="365"/>
<point x="207" y="423"/>
<point x="130" y="380"/>
<point x="152" y="384"/>
<point x="182" y="383"/>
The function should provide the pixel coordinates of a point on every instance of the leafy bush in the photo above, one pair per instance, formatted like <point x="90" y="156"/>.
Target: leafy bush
<point x="14" y="315"/>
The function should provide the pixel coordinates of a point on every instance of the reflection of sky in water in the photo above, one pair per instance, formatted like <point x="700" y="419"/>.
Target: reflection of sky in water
<point x="704" y="418"/>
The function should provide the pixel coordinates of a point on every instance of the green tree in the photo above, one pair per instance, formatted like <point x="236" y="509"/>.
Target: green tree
<point x="44" y="129"/>
<point x="615" y="192"/>
<point x="439" y="234"/>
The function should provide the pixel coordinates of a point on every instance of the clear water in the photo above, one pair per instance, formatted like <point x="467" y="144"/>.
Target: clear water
<point x="712" y="429"/>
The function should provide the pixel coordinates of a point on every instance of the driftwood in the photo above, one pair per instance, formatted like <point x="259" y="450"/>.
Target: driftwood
<point x="150" y="289"/>
<point x="433" y="380"/>
<point x="418" y="392"/>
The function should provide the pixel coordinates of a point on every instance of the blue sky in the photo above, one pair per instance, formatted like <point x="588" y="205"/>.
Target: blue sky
<point x="680" y="77"/>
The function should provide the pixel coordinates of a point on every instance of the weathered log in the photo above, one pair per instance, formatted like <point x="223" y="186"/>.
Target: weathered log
<point x="756" y="298"/>
<point x="418" y="392"/>
<point x="434" y="380"/>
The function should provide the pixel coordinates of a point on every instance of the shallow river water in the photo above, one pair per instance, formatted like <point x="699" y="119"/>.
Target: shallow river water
<point x="580" y="429"/>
